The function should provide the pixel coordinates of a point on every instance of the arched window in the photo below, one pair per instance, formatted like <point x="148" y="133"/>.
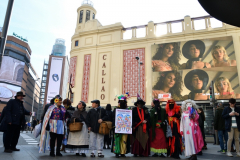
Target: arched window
<point x="87" y="15"/>
<point x="81" y="16"/>
<point x="93" y="16"/>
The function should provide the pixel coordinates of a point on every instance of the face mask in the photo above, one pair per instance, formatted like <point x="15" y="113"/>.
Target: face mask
<point x="189" y="106"/>
<point x="171" y="106"/>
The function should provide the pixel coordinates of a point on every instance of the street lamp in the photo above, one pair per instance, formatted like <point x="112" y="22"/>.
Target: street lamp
<point x="33" y="97"/>
<point x="139" y="64"/>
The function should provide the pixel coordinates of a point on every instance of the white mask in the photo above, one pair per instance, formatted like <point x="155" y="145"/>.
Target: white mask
<point x="188" y="106"/>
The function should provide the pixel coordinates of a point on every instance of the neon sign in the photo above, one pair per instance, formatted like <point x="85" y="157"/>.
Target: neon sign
<point x="20" y="37"/>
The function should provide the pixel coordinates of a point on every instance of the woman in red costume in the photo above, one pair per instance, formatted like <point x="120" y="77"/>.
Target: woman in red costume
<point x="175" y="142"/>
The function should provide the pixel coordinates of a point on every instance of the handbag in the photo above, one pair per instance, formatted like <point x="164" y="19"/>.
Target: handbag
<point x="75" y="126"/>
<point x="169" y="131"/>
<point x="105" y="127"/>
<point x="37" y="130"/>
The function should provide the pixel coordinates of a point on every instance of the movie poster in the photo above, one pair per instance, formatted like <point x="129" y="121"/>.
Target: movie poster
<point x="123" y="121"/>
<point x="184" y="70"/>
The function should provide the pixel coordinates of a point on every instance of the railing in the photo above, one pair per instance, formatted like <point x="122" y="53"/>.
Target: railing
<point x="171" y="27"/>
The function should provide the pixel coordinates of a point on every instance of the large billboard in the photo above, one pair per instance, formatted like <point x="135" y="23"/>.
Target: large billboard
<point x="11" y="75"/>
<point x="54" y="79"/>
<point x="184" y="70"/>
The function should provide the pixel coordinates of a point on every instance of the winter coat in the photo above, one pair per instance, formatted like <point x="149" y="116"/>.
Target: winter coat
<point x="3" y="125"/>
<point x="228" y="118"/>
<point x="93" y="116"/>
<point x="219" y="121"/>
<point x="110" y="115"/>
<point x="13" y="114"/>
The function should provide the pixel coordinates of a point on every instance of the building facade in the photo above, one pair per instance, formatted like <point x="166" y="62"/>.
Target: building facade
<point x="17" y="74"/>
<point x="59" y="48"/>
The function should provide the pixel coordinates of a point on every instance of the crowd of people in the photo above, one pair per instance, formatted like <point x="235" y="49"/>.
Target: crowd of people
<point x="168" y="131"/>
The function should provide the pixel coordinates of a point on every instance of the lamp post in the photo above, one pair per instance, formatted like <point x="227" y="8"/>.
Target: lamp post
<point x="33" y="97"/>
<point x="139" y="65"/>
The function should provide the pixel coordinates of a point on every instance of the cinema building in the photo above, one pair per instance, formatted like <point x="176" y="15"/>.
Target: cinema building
<point x="179" y="59"/>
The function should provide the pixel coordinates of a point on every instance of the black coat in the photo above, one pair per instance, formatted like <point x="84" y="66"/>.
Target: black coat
<point x="228" y="118"/>
<point x="219" y="121"/>
<point x="3" y="124"/>
<point x="110" y="115"/>
<point x="93" y="116"/>
<point x="13" y="115"/>
<point x="136" y="119"/>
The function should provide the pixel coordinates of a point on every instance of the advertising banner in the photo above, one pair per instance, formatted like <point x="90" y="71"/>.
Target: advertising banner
<point x="54" y="78"/>
<point x="123" y="121"/>
<point x="184" y="70"/>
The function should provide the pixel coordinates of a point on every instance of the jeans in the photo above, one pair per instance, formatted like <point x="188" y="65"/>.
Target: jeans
<point x="223" y="134"/>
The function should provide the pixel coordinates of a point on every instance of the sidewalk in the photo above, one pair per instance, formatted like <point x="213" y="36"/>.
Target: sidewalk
<point x="30" y="152"/>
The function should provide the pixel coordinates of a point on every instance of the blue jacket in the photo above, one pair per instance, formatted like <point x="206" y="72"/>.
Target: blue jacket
<point x="228" y="118"/>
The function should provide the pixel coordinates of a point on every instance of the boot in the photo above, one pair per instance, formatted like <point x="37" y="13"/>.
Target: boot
<point x="63" y="148"/>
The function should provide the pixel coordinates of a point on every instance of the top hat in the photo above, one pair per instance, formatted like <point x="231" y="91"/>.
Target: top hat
<point x="20" y="93"/>
<point x="199" y="45"/>
<point x="202" y="76"/>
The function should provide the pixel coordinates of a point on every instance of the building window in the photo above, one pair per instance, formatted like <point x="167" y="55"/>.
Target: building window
<point x="76" y="43"/>
<point x="87" y="15"/>
<point x="81" y="16"/>
<point x="93" y="16"/>
<point x="71" y="97"/>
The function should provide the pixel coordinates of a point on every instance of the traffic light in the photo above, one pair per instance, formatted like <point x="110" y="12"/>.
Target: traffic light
<point x="210" y="89"/>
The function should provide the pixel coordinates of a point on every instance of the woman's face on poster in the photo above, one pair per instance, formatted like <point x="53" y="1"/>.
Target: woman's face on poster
<point x="222" y="86"/>
<point x="193" y="51"/>
<point x="197" y="83"/>
<point x="218" y="54"/>
<point x="169" y="80"/>
<point x="168" y="50"/>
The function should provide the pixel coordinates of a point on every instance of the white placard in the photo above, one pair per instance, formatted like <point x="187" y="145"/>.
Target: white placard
<point x="54" y="78"/>
<point x="165" y="95"/>
<point x="123" y="121"/>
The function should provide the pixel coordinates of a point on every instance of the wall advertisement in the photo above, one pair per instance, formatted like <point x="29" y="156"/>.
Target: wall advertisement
<point x="184" y="70"/>
<point x="54" y="81"/>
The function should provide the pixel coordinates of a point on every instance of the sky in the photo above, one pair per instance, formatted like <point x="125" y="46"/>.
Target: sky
<point x="42" y="21"/>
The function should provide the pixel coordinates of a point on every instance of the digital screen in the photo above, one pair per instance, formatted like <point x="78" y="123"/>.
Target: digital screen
<point x="184" y="70"/>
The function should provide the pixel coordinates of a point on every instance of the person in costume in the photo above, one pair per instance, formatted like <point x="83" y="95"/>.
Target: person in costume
<point x="175" y="142"/>
<point x="121" y="142"/>
<point x="78" y="142"/>
<point x="55" y="117"/>
<point x="140" y="123"/>
<point x="158" y="129"/>
<point x="190" y="130"/>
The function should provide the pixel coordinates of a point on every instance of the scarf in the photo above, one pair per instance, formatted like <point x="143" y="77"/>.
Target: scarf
<point x="141" y="116"/>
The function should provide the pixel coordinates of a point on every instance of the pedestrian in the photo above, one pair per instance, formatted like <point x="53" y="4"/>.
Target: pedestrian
<point x="69" y="112"/>
<point x="158" y="129"/>
<point x="120" y="142"/>
<point x="95" y="116"/>
<point x="201" y="121"/>
<point x="3" y="125"/>
<point x="34" y="123"/>
<point x="190" y="130"/>
<point x="15" y="118"/>
<point x="78" y="141"/>
<point x="107" y="138"/>
<point x="219" y="126"/>
<point x="55" y="117"/>
<point x="141" y="122"/>
<point x="174" y="115"/>
<point x="28" y="126"/>
<point x="232" y="125"/>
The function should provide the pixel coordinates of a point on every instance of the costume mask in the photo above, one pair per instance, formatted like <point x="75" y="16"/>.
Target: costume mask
<point x="189" y="106"/>
<point x="171" y="105"/>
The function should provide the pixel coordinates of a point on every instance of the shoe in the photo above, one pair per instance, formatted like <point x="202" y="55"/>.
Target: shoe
<point x="223" y="151"/>
<point x="204" y="147"/>
<point x="108" y="147"/>
<point x="155" y="155"/>
<point x="232" y="150"/>
<point x="15" y="149"/>
<point x="141" y="155"/>
<point x="229" y="154"/>
<point x="100" y="155"/>
<point x="199" y="153"/>
<point x="193" y="157"/>
<point x="52" y="154"/>
<point x="123" y="155"/>
<point x="135" y="155"/>
<point x="59" y="154"/>
<point x="220" y="151"/>
<point x="162" y="156"/>
<point x="77" y="154"/>
<point x="84" y="155"/>
<point x="117" y="156"/>
<point x="238" y="154"/>
<point x="8" y="150"/>
<point x="104" y="147"/>
<point x="214" y="143"/>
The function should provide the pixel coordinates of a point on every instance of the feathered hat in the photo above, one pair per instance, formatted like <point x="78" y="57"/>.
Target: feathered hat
<point x="123" y="97"/>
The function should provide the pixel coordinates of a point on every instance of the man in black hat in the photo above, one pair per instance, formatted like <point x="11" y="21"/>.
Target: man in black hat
<point x="95" y="116"/>
<point x="15" y="118"/>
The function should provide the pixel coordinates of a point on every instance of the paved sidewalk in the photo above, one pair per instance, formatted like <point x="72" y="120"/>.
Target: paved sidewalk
<point x="30" y="152"/>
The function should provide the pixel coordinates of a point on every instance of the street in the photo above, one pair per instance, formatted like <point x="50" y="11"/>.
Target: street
<point x="29" y="151"/>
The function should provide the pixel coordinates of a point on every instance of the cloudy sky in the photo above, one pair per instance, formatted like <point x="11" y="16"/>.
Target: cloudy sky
<point x="42" y="21"/>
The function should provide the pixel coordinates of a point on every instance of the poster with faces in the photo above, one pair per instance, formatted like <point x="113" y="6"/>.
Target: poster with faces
<point x="185" y="69"/>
